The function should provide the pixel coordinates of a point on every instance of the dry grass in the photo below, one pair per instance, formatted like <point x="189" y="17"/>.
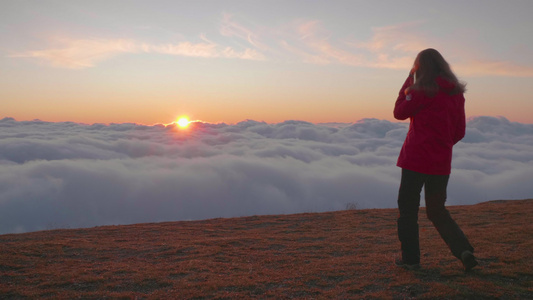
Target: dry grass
<point x="346" y="254"/>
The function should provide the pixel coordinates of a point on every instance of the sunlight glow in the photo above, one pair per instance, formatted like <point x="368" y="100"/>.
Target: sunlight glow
<point x="183" y="122"/>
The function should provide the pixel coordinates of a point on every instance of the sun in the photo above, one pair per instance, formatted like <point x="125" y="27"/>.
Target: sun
<point x="183" y="122"/>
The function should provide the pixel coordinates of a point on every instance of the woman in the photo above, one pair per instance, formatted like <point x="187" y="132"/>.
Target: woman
<point x="432" y="98"/>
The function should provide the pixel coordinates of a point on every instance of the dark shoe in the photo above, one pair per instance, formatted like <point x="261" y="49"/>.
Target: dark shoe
<point x="400" y="263"/>
<point x="469" y="260"/>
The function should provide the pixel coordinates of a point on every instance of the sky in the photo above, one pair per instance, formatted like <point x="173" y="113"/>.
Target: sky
<point x="150" y="62"/>
<point x="72" y="175"/>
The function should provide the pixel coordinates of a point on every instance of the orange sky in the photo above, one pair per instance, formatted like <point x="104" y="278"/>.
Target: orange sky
<point x="314" y="62"/>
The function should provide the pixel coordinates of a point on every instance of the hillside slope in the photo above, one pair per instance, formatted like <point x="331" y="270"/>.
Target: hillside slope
<point x="344" y="254"/>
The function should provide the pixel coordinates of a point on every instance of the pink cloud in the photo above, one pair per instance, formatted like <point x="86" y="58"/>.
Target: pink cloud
<point x="395" y="47"/>
<point x="386" y="49"/>
<point x="249" y="54"/>
<point x="389" y="47"/>
<point x="314" y="46"/>
<point x="81" y="53"/>
<point x="184" y="49"/>
<point x="230" y="28"/>
<point x="392" y="47"/>
<point x="305" y="56"/>
<point x="85" y="53"/>
<point x="400" y="37"/>
<point x="476" y="67"/>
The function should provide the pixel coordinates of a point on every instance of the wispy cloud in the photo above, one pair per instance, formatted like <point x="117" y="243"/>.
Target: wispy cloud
<point x="230" y="28"/>
<point x="399" y="37"/>
<point x="312" y="34"/>
<point x="250" y="54"/>
<point x="81" y="53"/>
<point x="395" y="46"/>
<point x="85" y="53"/>
<point x="392" y="47"/>
<point x="205" y="49"/>
<point x="476" y="67"/>
<point x="305" y="56"/>
<point x="314" y="45"/>
<point x="308" y="41"/>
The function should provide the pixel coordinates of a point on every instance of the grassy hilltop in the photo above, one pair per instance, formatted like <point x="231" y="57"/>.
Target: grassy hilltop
<point x="344" y="255"/>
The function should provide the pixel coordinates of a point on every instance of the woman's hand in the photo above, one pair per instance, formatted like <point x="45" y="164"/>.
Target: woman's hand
<point x="413" y="71"/>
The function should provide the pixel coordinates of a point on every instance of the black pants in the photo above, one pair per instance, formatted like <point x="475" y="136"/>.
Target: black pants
<point x="409" y="203"/>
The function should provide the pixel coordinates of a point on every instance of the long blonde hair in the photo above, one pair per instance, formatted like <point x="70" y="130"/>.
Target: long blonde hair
<point x="429" y="65"/>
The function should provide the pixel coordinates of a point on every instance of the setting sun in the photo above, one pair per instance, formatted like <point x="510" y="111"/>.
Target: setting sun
<point x="183" y="122"/>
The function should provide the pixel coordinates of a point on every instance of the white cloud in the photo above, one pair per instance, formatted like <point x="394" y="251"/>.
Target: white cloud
<point x="55" y="175"/>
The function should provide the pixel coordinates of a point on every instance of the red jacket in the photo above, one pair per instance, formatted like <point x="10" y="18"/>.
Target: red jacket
<point x="437" y="123"/>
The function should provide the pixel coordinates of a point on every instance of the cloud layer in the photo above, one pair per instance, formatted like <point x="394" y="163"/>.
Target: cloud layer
<point x="58" y="175"/>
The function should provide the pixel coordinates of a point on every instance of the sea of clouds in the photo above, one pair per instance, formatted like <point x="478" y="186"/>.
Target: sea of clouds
<point x="70" y="175"/>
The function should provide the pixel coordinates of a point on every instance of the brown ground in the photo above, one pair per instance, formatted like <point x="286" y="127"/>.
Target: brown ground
<point x="345" y="254"/>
